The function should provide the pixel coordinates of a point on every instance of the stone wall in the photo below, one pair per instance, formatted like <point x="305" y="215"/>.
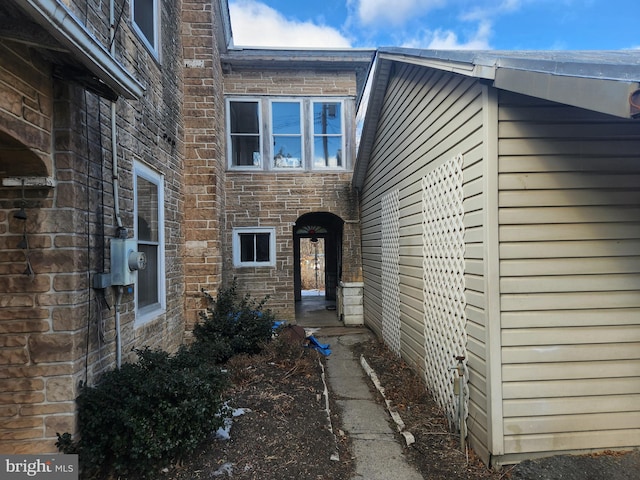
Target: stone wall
<point x="204" y="156"/>
<point x="278" y="199"/>
<point x="55" y="329"/>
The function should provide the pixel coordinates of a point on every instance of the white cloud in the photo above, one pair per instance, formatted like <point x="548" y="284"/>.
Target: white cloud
<point x="383" y="12"/>
<point x="448" y="40"/>
<point x="258" y="25"/>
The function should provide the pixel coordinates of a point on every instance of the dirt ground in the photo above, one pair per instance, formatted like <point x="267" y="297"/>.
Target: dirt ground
<point x="285" y="433"/>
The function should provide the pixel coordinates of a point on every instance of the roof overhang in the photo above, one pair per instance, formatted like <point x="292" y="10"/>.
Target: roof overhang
<point x="603" y="81"/>
<point x="54" y="17"/>
<point x="598" y="94"/>
<point x="355" y="60"/>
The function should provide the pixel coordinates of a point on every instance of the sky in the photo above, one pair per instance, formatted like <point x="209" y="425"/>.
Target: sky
<point x="438" y="24"/>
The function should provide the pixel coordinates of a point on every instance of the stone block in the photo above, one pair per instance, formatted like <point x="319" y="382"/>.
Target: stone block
<point x="59" y="424"/>
<point x="14" y="356"/>
<point x="47" y="409"/>
<point x="31" y="447"/>
<point x="60" y="389"/>
<point x="51" y="348"/>
<point x="21" y="384"/>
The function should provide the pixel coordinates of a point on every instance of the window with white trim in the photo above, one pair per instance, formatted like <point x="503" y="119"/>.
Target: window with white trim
<point x="254" y="247"/>
<point x="286" y="133"/>
<point x="145" y="19"/>
<point x="149" y="229"/>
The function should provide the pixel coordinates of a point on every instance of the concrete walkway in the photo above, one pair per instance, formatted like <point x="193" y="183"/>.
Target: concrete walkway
<point x="376" y="447"/>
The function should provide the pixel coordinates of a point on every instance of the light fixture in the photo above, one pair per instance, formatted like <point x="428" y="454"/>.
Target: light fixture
<point x="20" y="214"/>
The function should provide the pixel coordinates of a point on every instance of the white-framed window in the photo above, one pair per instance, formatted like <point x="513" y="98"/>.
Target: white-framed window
<point x="254" y="247"/>
<point x="145" y="18"/>
<point x="286" y="133"/>
<point x="149" y="229"/>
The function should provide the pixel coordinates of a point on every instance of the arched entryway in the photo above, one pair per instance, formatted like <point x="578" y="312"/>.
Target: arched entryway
<point x="317" y="241"/>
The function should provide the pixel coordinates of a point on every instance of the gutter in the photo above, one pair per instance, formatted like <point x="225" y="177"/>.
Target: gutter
<point x="54" y="17"/>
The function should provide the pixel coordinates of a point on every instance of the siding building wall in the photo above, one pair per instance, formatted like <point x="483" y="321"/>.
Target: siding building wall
<point x="551" y="244"/>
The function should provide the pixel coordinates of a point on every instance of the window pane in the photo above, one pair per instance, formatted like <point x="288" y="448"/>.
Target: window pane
<point x="247" y="250"/>
<point x="285" y="118"/>
<point x="287" y="152"/>
<point x="244" y="117"/>
<point x="244" y="123"/>
<point x="147" y="197"/>
<point x="327" y="119"/>
<point x="262" y="247"/>
<point x="148" y="278"/>
<point x="327" y="152"/>
<point x="245" y="150"/>
<point x="144" y="17"/>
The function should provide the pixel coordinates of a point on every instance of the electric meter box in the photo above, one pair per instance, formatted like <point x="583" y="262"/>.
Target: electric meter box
<point x="125" y="261"/>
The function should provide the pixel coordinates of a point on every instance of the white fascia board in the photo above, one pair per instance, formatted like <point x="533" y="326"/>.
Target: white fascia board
<point x="56" y="19"/>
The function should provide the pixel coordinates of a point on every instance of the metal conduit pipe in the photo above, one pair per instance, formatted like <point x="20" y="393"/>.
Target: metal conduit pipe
<point x="116" y="193"/>
<point x="120" y="290"/>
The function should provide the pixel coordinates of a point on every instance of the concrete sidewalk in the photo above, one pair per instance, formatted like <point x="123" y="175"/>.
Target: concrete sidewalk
<point x="376" y="447"/>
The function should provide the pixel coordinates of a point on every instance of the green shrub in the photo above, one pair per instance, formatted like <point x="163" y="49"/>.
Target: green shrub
<point x="143" y="416"/>
<point x="140" y="417"/>
<point x="231" y="325"/>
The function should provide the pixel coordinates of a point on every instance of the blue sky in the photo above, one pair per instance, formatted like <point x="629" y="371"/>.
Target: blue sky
<point x="438" y="24"/>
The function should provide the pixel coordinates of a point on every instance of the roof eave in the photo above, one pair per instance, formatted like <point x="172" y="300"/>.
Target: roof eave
<point x="598" y="94"/>
<point x="619" y="97"/>
<point x="58" y="21"/>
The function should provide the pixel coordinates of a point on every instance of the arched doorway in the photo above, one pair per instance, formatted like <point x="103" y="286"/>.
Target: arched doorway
<point x="317" y="241"/>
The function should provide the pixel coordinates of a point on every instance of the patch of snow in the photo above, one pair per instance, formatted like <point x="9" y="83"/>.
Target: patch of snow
<point x="224" y="432"/>
<point x="225" y="469"/>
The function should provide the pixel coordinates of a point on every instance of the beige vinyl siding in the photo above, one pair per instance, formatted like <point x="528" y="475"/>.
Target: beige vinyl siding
<point x="569" y="226"/>
<point x="428" y="117"/>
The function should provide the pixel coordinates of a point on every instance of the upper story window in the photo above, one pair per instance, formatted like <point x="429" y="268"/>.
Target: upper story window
<point x="149" y="227"/>
<point x="286" y="133"/>
<point x="146" y="22"/>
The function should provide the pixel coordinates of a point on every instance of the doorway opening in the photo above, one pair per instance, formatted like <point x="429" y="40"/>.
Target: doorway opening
<point x="312" y="268"/>
<point x="317" y="267"/>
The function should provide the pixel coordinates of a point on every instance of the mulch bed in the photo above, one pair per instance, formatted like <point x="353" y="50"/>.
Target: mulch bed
<point x="285" y="434"/>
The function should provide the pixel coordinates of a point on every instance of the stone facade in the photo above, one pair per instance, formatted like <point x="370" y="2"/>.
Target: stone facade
<point x="57" y="306"/>
<point x="204" y="155"/>
<point x="55" y="329"/>
<point x="279" y="199"/>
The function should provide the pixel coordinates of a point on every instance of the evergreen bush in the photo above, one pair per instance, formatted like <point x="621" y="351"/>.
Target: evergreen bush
<point x="141" y="417"/>
<point x="145" y="415"/>
<point x="232" y="325"/>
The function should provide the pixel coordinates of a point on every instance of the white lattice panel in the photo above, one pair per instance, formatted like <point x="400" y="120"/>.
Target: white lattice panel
<point x="443" y="270"/>
<point x="391" y="271"/>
